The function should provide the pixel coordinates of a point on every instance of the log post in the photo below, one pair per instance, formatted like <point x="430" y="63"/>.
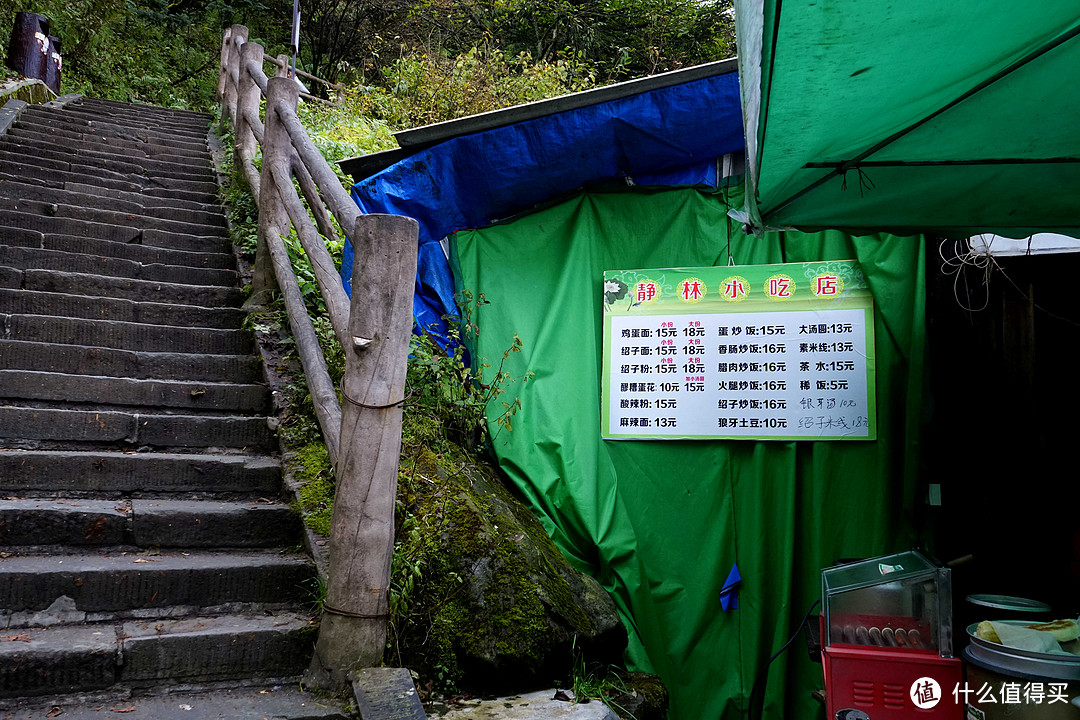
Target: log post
<point x="281" y="67"/>
<point x="226" y="41"/>
<point x="277" y="149"/>
<point x="248" y="96"/>
<point x="238" y="34"/>
<point x="353" y="630"/>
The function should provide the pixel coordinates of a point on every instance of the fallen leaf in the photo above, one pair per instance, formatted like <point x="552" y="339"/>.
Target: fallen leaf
<point x="56" y="710"/>
<point x="129" y="708"/>
<point x="16" y="638"/>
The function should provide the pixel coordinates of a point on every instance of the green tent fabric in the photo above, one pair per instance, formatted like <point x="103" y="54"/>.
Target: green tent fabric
<point x="919" y="116"/>
<point x="661" y="523"/>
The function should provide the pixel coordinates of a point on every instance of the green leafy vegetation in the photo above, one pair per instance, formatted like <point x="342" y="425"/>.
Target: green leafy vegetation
<point x="152" y="51"/>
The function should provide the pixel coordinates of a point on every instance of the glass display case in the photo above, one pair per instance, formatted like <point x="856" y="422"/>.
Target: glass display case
<point x="898" y="601"/>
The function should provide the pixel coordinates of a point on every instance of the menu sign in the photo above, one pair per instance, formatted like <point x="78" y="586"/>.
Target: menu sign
<point x="763" y="352"/>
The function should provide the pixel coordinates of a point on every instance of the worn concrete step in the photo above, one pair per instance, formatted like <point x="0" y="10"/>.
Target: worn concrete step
<point x="10" y="278"/>
<point x="27" y="258"/>
<point x="111" y="582"/>
<point x="117" y="233"/>
<point x="207" y="215"/>
<point x="113" y="142"/>
<point x="175" y="202"/>
<point x="111" y="217"/>
<point x="148" y="523"/>
<point x="151" y="291"/>
<point x="126" y="335"/>
<point x="187" y="131"/>
<point x="131" y="429"/>
<point x="136" y="111"/>
<point x="102" y="390"/>
<point x="41" y="116"/>
<point x="85" y="360"/>
<point x="19" y="150"/>
<point x="131" y="164"/>
<point x="120" y="249"/>
<point x="201" y="191"/>
<point x="68" y="659"/>
<point x="251" y="702"/>
<point x="126" y="473"/>
<point x="30" y="302"/>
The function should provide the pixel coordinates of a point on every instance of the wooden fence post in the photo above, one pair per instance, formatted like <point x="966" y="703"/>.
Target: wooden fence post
<point x="248" y="97"/>
<point x="232" y="65"/>
<point x="226" y="41"/>
<point x="277" y="148"/>
<point x="353" y="630"/>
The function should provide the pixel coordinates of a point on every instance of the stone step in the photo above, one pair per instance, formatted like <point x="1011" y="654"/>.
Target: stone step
<point x="103" y="472"/>
<point x="40" y="115"/>
<point x="148" y="523"/>
<point x="182" y="129"/>
<point x="17" y="149"/>
<point x="84" y="360"/>
<point x="120" y="249"/>
<point x="102" y="390"/>
<point x="131" y="429"/>
<point x="133" y="187"/>
<point x="254" y="702"/>
<point x="26" y="258"/>
<point x="111" y="217"/>
<point x="137" y="111"/>
<point x="126" y="335"/>
<point x="201" y="191"/>
<point x="207" y="215"/>
<point x="69" y="659"/>
<point x="117" y="233"/>
<point x="30" y="302"/>
<point x="87" y="151"/>
<point x="149" y="291"/>
<point x="114" y="581"/>
<point x="173" y="202"/>
<point x="122" y="143"/>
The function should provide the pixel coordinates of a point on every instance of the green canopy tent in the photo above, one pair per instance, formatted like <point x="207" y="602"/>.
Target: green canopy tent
<point x="953" y="118"/>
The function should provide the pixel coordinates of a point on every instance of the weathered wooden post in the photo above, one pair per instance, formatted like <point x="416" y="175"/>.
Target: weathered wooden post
<point x="353" y="631"/>
<point x="282" y="66"/>
<point x="237" y="33"/>
<point x="248" y="96"/>
<point x="277" y="149"/>
<point x="226" y="41"/>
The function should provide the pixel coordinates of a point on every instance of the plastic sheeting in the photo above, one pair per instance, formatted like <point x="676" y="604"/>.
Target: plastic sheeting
<point x="661" y="523"/>
<point x="955" y="117"/>
<point x="669" y="136"/>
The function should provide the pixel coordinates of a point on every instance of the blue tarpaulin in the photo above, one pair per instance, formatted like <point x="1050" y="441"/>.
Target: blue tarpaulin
<point x="666" y="136"/>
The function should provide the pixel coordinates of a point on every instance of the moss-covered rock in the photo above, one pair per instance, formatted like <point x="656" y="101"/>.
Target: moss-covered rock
<point x="481" y="597"/>
<point x="25" y="89"/>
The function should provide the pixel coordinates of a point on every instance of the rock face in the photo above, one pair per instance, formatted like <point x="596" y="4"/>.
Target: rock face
<point x="481" y="597"/>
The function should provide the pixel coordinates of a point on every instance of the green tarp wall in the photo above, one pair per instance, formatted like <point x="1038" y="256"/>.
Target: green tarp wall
<point x="660" y="523"/>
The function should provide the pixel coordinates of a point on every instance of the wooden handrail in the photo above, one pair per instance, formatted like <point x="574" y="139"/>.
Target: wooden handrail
<point x="363" y="438"/>
<point x="301" y="73"/>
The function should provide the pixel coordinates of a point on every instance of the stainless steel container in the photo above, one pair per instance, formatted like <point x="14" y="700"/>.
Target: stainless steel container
<point x="995" y="668"/>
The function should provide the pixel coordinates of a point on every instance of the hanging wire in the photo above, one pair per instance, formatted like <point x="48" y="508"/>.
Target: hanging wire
<point x="965" y="255"/>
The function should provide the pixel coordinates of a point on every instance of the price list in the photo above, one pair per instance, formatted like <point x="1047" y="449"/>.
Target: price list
<point x="673" y="373"/>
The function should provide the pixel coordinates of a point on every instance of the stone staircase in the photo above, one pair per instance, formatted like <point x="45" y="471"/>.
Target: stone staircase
<point x="144" y="540"/>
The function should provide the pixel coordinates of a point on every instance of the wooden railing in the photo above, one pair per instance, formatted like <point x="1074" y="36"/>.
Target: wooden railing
<point x="363" y="436"/>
